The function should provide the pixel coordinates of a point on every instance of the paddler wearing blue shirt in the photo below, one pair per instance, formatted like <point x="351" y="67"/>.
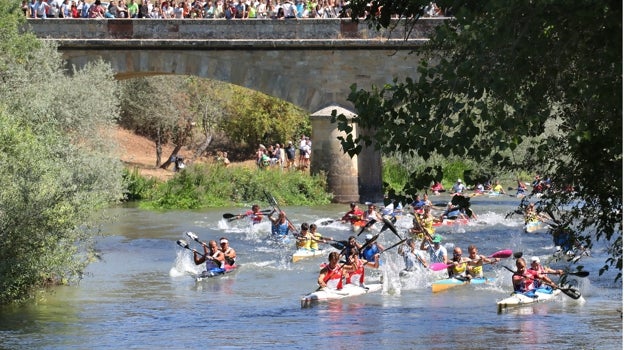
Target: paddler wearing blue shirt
<point x="371" y="252"/>
<point x="213" y="257"/>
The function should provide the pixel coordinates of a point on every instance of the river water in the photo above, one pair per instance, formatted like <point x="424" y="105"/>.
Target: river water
<point x="141" y="295"/>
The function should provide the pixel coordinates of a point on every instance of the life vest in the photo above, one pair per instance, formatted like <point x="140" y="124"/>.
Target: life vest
<point x="369" y="252"/>
<point x="356" y="275"/>
<point x="279" y="229"/>
<point x="333" y="277"/>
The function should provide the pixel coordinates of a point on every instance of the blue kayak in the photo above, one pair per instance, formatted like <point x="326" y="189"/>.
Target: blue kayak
<point x="447" y="283"/>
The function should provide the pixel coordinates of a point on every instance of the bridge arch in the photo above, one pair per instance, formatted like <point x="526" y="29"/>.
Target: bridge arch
<point x="310" y="63"/>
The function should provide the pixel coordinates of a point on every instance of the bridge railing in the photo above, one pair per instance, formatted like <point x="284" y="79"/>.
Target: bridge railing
<point x="217" y="29"/>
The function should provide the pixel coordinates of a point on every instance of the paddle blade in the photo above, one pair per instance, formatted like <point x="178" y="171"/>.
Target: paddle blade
<point x="390" y="225"/>
<point x="571" y="292"/>
<point x="502" y="254"/>
<point x="368" y="224"/>
<point x="579" y="273"/>
<point x="438" y="266"/>
<point x="228" y="216"/>
<point x="337" y="245"/>
<point x="191" y="235"/>
<point x="182" y="243"/>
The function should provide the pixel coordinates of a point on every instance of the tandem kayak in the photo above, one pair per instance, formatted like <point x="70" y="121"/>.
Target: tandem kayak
<point x="216" y="273"/>
<point x="301" y="254"/>
<point x="348" y="290"/>
<point x="530" y="297"/>
<point x="448" y="283"/>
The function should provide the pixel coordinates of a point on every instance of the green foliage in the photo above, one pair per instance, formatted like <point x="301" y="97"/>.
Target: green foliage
<point x="257" y="118"/>
<point x="56" y="162"/>
<point x="535" y="86"/>
<point x="203" y="186"/>
<point x="138" y="187"/>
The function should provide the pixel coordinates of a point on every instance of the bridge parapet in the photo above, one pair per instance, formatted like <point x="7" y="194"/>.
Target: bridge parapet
<point x="194" y="29"/>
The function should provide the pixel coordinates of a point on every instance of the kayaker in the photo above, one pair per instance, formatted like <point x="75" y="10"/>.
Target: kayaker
<point x="354" y="268"/>
<point x="371" y="252"/>
<point x="213" y="257"/>
<point x="498" y="188"/>
<point x="458" y="188"/>
<point x="228" y="252"/>
<point x="280" y="226"/>
<point x="459" y="267"/>
<point x="542" y="270"/>
<point x="524" y="280"/>
<point x="254" y="214"/>
<point x="411" y="256"/>
<point x="354" y="215"/>
<point x="331" y="274"/>
<point x="372" y="213"/>
<point x="317" y="237"/>
<point x="437" y="252"/>
<point x="305" y="238"/>
<point x="476" y="261"/>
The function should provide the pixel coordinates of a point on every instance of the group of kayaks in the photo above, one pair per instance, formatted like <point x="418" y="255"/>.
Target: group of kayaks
<point x="444" y="284"/>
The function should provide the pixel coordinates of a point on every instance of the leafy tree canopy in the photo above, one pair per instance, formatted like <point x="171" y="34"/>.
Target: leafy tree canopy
<point x="56" y="160"/>
<point x="499" y="74"/>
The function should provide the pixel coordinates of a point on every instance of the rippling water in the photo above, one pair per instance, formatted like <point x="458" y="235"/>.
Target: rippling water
<point x="141" y="295"/>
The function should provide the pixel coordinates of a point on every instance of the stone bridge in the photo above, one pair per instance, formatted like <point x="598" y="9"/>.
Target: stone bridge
<point x="311" y="63"/>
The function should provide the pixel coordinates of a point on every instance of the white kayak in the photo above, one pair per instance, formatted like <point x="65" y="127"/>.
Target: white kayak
<point x="535" y="296"/>
<point x="301" y="254"/>
<point x="348" y="290"/>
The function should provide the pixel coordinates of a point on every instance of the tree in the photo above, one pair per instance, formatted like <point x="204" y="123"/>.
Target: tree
<point x="157" y="108"/>
<point x="498" y="74"/>
<point x="56" y="161"/>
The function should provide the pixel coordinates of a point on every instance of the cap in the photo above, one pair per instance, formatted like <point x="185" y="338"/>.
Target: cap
<point x="369" y="236"/>
<point x="535" y="259"/>
<point x="458" y="180"/>
<point x="437" y="239"/>
<point x="223" y="240"/>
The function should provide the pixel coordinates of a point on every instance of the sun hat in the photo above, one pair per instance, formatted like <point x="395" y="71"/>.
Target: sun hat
<point x="369" y="236"/>
<point x="535" y="259"/>
<point x="437" y="239"/>
<point x="223" y="240"/>
<point x="458" y="180"/>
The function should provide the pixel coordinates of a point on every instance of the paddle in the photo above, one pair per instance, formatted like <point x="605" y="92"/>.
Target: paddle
<point x="389" y="225"/>
<point x="194" y="237"/>
<point x="370" y="223"/>
<point x="394" y="245"/>
<point x="236" y="217"/>
<point x="182" y="243"/>
<point x="570" y="291"/>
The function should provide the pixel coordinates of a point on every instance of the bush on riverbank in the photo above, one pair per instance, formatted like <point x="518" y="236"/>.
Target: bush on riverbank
<point x="213" y="185"/>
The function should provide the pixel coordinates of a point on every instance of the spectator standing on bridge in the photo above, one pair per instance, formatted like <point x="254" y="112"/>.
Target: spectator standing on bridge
<point x="290" y="11"/>
<point x="96" y="10"/>
<point x="41" y="9"/>
<point x="83" y="9"/>
<point x="133" y="9"/>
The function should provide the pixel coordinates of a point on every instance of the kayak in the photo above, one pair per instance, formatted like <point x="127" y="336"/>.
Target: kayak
<point x="533" y="226"/>
<point x="448" y="222"/>
<point x="348" y="290"/>
<point x="530" y="297"/>
<point x="216" y="273"/>
<point x="447" y="283"/>
<point x="301" y="254"/>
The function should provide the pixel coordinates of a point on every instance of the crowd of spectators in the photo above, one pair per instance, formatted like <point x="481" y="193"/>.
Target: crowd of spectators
<point x="227" y="9"/>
